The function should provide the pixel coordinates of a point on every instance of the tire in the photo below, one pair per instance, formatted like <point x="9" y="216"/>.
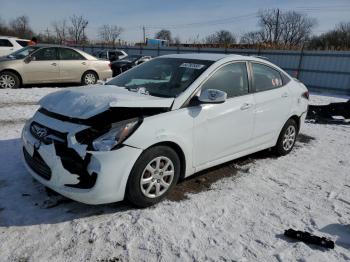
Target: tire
<point x="287" y="138"/>
<point x="89" y="78"/>
<point x="9" y="80"/>
<point x="143" y="185"/>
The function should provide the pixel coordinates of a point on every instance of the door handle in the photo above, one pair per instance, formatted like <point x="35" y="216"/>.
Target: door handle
<point x="83" y="63"/>
<point x="54" y="64"/>
<point x="284" y="95"/>
<point x="246" y="106"/>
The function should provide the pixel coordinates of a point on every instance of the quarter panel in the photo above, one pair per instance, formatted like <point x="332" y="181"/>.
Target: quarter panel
<point x="174" y="126"/>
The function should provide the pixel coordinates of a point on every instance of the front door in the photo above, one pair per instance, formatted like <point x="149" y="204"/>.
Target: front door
<point x="221" y="130"/>
<point x="43" y="67"/>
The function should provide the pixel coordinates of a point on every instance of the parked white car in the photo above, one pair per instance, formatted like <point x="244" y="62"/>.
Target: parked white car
<point x="9" y="44"/>
<point x="161" y="121"/>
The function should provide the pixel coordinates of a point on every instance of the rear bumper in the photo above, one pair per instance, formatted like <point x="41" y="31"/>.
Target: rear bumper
<point x="104" y="75"/>
<point x="112" y="170"/>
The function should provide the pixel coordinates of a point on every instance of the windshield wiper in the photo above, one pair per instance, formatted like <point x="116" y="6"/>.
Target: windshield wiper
<point x="139" y="90"/>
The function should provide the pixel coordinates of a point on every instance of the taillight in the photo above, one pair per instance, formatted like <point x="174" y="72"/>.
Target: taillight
<point x="305" y="95"/>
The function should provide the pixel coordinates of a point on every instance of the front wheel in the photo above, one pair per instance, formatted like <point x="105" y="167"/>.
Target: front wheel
<point x="287" y="138"/>
<point x="154" y="174"/>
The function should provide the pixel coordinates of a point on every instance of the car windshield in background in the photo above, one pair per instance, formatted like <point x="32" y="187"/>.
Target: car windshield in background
<point x="131" y="58"/>
<point x="22" y="43"/>
<point x="163" y="77"/>
<point x="24" y="52"/>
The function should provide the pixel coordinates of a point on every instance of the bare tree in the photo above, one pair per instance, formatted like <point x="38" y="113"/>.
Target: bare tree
<point x="295" y="28"/>
<point x="61" y="30"/>
<point x="77" y="28"/>
<point x="110" y="33"/>
<point x="4" y="30"/>
<point x="164" y="34"/>
<point x="252" y="38"/>
<point x="284" y="28"/>
<point x="221" y="37"/>
<point x="177" y="40"/>
<point x="338" y="38"/>
<point x="20" y="26"/>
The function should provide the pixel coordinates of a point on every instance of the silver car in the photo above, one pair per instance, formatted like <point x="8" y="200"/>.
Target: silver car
<point x="42" y="64"/>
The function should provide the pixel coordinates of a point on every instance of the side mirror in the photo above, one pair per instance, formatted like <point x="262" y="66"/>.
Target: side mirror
<point x="28" y="59"/>
<point x="212" y="96"/>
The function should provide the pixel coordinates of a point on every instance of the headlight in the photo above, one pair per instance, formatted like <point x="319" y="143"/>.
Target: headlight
<point x="116" y="135"/>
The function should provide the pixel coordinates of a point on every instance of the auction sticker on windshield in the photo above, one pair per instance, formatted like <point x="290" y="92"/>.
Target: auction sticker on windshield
<point x="192" y="66"/>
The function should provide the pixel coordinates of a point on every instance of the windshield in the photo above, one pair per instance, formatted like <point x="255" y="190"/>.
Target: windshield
<point x="24" y="52"/>
<point x="163" y="77"/>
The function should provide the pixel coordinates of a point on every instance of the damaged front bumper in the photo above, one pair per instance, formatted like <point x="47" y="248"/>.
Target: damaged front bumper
<point x="91" y="177"/>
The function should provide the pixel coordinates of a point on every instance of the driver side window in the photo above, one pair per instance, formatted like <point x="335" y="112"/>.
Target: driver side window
<point x="231" y="79"/>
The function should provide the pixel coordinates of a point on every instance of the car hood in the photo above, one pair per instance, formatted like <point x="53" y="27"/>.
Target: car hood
<point x="5" y="58"/>
<point x="86" y="102"/>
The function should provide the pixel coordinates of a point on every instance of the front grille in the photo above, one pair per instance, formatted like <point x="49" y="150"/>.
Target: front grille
<point x="37" y="164"/>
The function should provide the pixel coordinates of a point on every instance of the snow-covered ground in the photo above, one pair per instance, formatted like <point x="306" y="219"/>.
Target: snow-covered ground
<point x="241" y="218"/>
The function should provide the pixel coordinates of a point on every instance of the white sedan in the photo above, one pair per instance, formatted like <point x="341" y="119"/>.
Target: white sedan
<point x="159" y="122"/>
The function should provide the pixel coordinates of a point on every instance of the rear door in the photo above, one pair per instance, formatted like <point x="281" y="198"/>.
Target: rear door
<point x="272" y="102"/>
<point x="221" y="130"/>
<point x="6" y="47"/>
<point x="72" y="65"/>
<point x="43" y="67"/>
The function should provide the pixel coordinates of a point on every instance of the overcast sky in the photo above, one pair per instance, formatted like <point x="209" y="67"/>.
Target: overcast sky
<point x="188" y="19"/>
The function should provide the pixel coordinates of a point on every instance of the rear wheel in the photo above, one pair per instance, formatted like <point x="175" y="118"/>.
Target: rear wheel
<point x="89" y="78"/>
<point x="287" y="138"/>
<point x="9" y="80"/>
<point x="154" y="174"/>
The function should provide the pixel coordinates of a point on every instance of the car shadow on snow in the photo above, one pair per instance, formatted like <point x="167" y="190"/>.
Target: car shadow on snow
<point x="59" y="85"/>
<point x="340" y="232"/>
<point x="24" y="201"/>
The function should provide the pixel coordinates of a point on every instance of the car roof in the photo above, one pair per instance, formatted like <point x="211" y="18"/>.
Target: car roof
<point x="12" y="37"/>
<point x="52" y="45"/>
<point x="205" y="56"/>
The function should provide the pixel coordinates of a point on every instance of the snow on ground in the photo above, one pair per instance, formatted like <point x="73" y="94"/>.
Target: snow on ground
<point x="241" y="218"/>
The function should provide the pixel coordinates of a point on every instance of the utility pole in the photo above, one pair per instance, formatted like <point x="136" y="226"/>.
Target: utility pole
<point x="48" y="34"/>
<point x="276" y="26"/>
<point x="144" y="34"/>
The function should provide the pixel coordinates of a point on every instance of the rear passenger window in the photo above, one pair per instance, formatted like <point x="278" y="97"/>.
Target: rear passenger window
<point x="69" y="54"/>
<point x="265" y="77"/>
<point x="232" y="79"/>
<point x="5" y="43"/>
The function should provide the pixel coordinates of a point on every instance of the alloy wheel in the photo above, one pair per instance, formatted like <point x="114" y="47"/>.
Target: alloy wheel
<point x="157" y="177"/>
<point x="90" y="79"/>
<point x="7" y="81"/>
<point x="289" y="138"/>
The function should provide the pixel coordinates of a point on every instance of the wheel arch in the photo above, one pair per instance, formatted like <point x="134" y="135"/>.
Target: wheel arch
<point x="297" y="121"/>
<point x="90" y="70"/>
<point x="14" y="72"/>
<point x="178" y="151"/>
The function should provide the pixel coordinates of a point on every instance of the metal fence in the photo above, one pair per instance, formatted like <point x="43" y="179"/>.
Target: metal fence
<point x="320" y="71"/>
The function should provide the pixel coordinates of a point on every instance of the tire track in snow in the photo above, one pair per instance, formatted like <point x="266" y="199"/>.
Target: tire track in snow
<point x="19" y="103"/>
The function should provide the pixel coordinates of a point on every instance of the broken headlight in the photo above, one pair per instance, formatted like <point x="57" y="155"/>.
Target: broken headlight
<point x="116" y="135"/>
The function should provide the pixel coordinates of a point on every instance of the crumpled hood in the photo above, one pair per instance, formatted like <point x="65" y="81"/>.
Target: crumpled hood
<point x="85" y="102"/>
